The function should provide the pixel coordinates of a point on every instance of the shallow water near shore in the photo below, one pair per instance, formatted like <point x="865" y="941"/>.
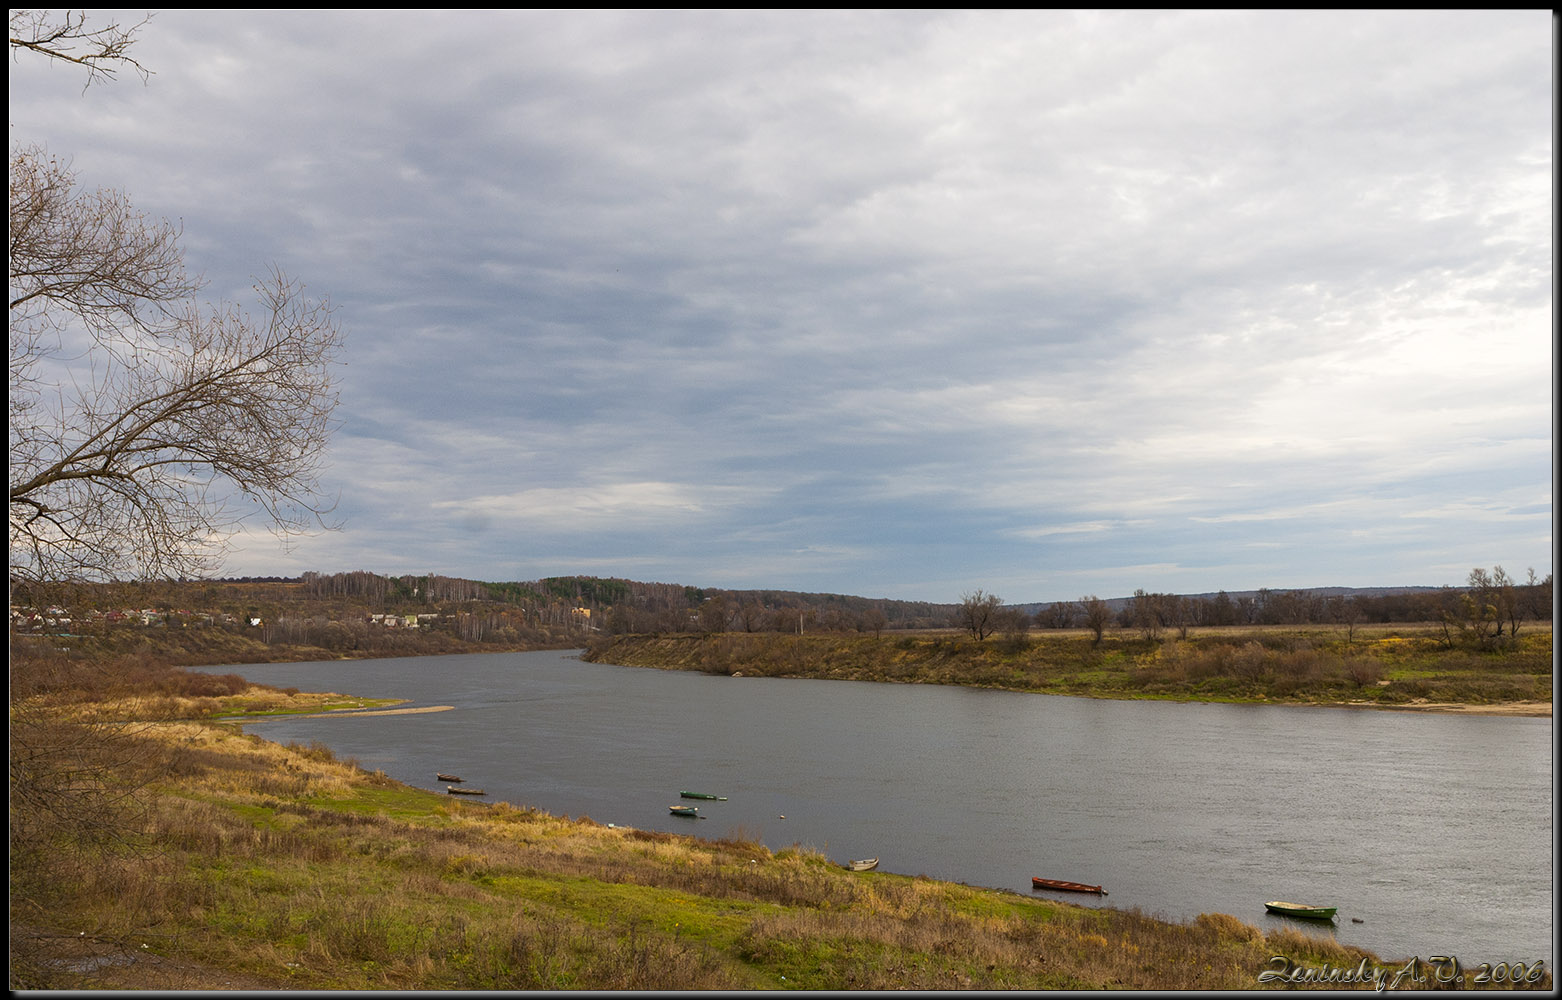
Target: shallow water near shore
<point x="1434" y="831"/>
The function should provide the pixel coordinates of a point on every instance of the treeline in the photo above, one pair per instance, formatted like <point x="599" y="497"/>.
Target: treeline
<point x="1293" y="607"/>
<point x="713" y="610"/>
<point x="1489" y="610"/>
<point x="361" y="610"/>
<point x="401" y="590"/>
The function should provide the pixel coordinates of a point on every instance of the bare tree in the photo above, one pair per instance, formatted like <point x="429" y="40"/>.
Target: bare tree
<point x="1178" y="612"/>
<point x="1489" y="604"/>
<point x="977" y="613"/>
<point x="1505" y="595"/>
<point x="751" y="615"/>
<point x="714" y="614"/>
<point x="1014" y="624"/>
<point x="1097" y="614"/>
<point x="146" y="426"/>
<point x="1145" y="613"/>
<point x="1536" y="596"/>
<point x="1058" y="614"/>
<point x="873" y="620"/>
<point x="1347" y="611"/>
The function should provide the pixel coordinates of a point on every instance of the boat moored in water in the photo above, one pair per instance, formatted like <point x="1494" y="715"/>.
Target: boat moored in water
<point x="1055" y="883"/>
<point x="1306" y="911"/>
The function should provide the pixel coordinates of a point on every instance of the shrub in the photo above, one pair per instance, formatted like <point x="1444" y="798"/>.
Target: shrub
<point x="1363" y="670"/>
<point x="1250" y="662"/>
<point x="1226" y="926"/>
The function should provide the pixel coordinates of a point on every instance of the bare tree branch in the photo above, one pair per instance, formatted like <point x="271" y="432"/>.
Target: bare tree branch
<point x="146" y="428"/>
<point x="101" y="51"/>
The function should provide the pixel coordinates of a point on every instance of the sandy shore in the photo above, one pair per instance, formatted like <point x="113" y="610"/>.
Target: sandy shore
<point x="1538" y="709"/>
<point x="351" y="714"/>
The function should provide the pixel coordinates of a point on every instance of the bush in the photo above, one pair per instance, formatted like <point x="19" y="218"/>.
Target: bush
<point x="1250" y="662"/>
<point x="1363" y="670"/>
<point x="1223" y="925"/>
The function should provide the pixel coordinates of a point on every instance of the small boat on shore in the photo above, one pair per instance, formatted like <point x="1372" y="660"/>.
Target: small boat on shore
<point x="466" y="791"/>
<point x="447" y="777"/>
<point x="865" y="865"/>
<point x="1054" y="883"/>
<point x="692" y="811"/>
<point x="1304" y="910"/>
<point x="703" y="795"/>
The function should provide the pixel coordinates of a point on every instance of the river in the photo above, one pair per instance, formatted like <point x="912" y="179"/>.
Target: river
<point x="1431" y="833"/>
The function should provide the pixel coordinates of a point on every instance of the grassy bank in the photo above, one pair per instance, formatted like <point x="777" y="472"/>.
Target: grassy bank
<point x="236" y="862"/>
<point x="1377" y="666"/>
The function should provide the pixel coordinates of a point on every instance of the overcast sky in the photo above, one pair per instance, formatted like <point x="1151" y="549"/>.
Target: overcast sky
<point x="893" y="304"/>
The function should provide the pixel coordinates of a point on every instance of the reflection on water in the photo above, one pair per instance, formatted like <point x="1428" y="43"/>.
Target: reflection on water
<point x="1433" y="831"/>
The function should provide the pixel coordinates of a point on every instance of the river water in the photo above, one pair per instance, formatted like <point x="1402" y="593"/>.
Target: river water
<point x="1433" y="831"/>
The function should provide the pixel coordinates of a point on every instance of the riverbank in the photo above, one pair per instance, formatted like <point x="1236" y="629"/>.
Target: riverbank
<point x="247" y="864"/>
<point x="206" y="858"/>
<point x="1403" y="668"/>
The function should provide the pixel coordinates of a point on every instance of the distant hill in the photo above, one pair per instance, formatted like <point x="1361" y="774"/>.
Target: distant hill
<point x="548" y="607"/>
<point x="604" y="592"/>
<point x="1322" y="591"/>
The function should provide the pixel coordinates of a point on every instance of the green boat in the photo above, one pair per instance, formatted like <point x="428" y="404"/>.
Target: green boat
<point x="693" y="811"/>
<point x="703" y="795"/>
<point x="1301" y="910"/>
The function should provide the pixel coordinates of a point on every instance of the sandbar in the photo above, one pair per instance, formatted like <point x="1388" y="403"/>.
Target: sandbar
<point x="351" y="714"/>
<point x="1537" y="709"/>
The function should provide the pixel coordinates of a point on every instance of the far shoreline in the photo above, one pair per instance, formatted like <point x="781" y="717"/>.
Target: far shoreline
<point x="1428" y="676"/>
<point x="1507" y="709"/>
<point x="1510" y="709"/>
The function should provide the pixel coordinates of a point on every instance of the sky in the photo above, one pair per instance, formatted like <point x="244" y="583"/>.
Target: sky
<point x="897" y="304"/>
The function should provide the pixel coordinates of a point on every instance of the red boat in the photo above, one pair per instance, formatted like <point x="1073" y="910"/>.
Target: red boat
<point x="1052" y="883"/>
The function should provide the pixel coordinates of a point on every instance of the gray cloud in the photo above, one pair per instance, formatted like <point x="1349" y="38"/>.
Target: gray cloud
<point x="884" y="302"/>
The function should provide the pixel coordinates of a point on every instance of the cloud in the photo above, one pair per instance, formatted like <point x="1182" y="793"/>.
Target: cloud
<point x="620" y="505"/>
<point x="876" y="301"/>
